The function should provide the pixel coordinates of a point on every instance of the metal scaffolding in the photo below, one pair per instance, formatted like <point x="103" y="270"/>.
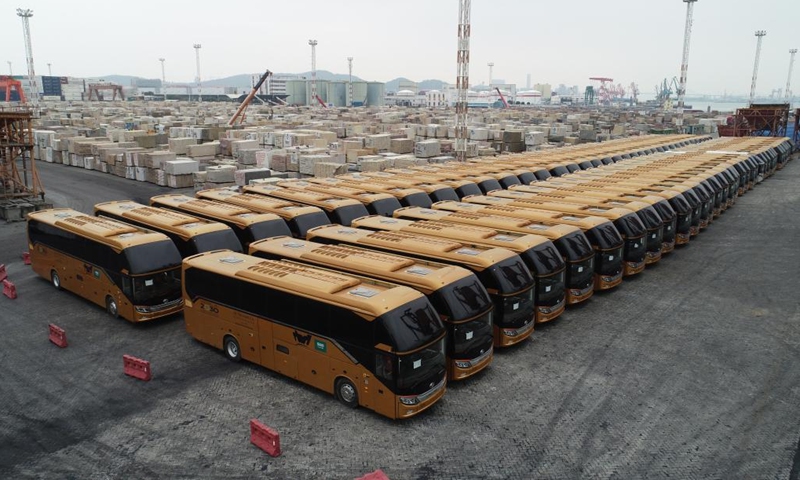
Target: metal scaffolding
<point x="18" y="175"/>
<point x="462" y="79"/>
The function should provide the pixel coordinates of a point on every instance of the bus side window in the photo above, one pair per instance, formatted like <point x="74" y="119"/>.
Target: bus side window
<point x="383" y="367"/>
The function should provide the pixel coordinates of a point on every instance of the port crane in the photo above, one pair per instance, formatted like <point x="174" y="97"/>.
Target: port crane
<point x="7" y="84"/>
<point x="96" y="88"/>
<point x="240" y="111"/>
<point x="502" y="98"/>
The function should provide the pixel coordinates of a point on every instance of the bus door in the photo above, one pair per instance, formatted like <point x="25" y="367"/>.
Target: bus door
<point x="313" y="363"/>
<point x="268" y="352"/>
<point x="285" y="348"/>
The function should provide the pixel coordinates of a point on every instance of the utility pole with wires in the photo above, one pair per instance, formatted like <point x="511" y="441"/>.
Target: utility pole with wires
<point x="462" y="79"/>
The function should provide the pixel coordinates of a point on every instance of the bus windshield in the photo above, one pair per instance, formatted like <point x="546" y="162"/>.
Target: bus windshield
<point x="574" y="246"/>
<point x="412" y="325"/>
<point x="605" y="236"/>
<point x="219" y="240"/>
<point x="650" y="217"/>
<point x="545" y="259"/>
<point x="421" y="371"/>
<point x="464" y="299"/>
<point x="346" y="214"/>
<point x="158" y="288"/>
<point x="152" y="257"/>
<point x="630" y="226"/>
<point x="511" y="275"/>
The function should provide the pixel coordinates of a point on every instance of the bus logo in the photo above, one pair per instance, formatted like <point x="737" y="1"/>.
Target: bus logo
<point x="209" y="308"/>
<point x="303" y="339"/>
<point x="321" y="346"/>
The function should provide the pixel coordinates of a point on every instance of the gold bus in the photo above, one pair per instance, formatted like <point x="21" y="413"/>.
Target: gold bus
<point x="630" y="230"/>
<point x="339" y="209"/>
<point x="190" y="234"/>
<point x="248" y="225"/>
<point x="408" y="197"/>
<point x="132" y="272"/>
<point x="538" y="253"/>
<point x="652" y="221"/>
<point x="570" y="241"/>
<point x="436" y="191"/>
<point x="455" y="293"/>
<point x="502" y="272"/>
<point x="299" y="218"/>
<point x="376" y="203"/>
<point x="371" y="344"/>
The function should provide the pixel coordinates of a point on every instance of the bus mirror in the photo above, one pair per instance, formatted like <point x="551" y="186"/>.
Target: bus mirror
<point x="383" y="347"/>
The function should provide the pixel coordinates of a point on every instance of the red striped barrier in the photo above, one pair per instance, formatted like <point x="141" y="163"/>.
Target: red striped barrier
<point x="3" y="273"/>
<point x="58" y="336"/>
<point x="265" y="438"/>
<point x="26" y="257"/>
<point x="9" y="289"/>
<point x="376" y="475"/>
<point x="137" y="368"/>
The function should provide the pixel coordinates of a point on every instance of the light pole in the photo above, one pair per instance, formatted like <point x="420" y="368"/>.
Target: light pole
<point x="760" y="34"/>
<point x="197" y="47"/>
<point x="792" y="52"/>
<point x="313" y="98"/>
<point x="25" y="15"/>
<point x="163" y="79"/>
<point x="49" y="70"/>
<point x="491" y="67"/>
<point x="350" y="82"/>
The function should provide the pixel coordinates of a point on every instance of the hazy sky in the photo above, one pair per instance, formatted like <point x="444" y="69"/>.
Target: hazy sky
<point x="556" y="41"/>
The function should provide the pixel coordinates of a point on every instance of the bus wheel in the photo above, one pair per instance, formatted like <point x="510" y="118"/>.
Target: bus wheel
<point x="346" y="392"/>
<point x="111" y="307"/>
<point x="55" y="279"/>
<point x="231" y="348"/>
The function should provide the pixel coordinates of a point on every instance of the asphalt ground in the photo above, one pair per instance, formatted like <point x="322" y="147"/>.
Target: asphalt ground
<point x="691" y="370"/>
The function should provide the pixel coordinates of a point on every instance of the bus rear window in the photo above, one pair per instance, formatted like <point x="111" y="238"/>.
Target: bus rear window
<point x="444" y="194"/>
<point x="269" y="229"/>
<point x="219" y="240"/>
<point x="468" y="189"/>
<point x="301" y="224"/>
<point x="384" y="207"/>
<point x="412" y="325"/>
<point x="419" y="199"/>
<point x="152" y="257"/>
<point x="345" y="215"/>
<point x="490" y="185"/>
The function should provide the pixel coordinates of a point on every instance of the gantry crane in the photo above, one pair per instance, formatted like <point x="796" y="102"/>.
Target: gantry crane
<point x="7" y="84"/>
<point x="95" y="88"/>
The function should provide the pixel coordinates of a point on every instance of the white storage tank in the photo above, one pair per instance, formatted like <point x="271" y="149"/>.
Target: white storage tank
<point x="296" y="91"/>
<point x="359" y="94"/>
<point x="375" y="93"/>
<point x="337" y="93"/>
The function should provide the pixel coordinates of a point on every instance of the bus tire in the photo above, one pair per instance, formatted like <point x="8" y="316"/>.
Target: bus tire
<point x="231" y="348"/>
<point x="55" y="279"/>
<point x="111" y="307"/>
<point x="346" y="392"/>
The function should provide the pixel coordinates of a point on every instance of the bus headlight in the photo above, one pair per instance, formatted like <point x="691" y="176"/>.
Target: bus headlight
<point x="463" y="364"/>
<point x="510" y="332"/>
<point x="409" y="400"/>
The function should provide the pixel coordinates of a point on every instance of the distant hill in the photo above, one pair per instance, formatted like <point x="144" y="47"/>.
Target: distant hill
<point x="243" y="80"/>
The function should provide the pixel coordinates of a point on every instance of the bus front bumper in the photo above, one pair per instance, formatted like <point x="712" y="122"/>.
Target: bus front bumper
<point x="633" y="268"/>
<point x="545" y="314"/>
<point x="607" y="282"/>
<point x="461" y="369"/>
<point x="507" y="336"/>
<point x="652" y="257"/>
<point x="667" y="247"/>
<point x="424" y="401"/>
<point x="575" y="295"/>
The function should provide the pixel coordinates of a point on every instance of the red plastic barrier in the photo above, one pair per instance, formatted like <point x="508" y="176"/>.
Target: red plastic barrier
<point x="26" y="257"/>
<point x="58" y="336"/>
<point x="265" y="438"/>
<point x="9" y="289"/>
<point x="376" y="475"/>
<point x="3" y="274"/>
<point x="137" y="368"/>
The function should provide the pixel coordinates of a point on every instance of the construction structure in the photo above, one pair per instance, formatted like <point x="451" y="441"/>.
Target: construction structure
<point x="21" y="190"/>
<point x="314" y="96"/>
<point x="462" y="79"/>
<point x="26" y="28"/>
<point x="760" y="34"/>
<point x="96" y="89"/>
<point x="687" y="35"/>
<point x="8" y="85"/>
<point x="197" y="47"/>
<point x="788" y="91"/>
<point x="762" y="120"/>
